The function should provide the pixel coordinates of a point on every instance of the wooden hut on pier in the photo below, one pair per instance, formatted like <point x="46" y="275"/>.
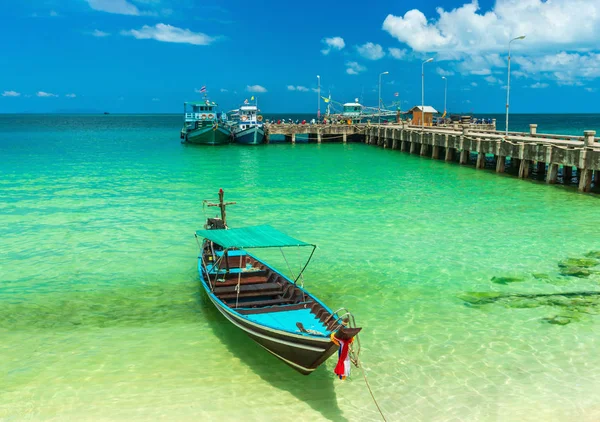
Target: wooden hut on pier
<point x="426" y="114"/>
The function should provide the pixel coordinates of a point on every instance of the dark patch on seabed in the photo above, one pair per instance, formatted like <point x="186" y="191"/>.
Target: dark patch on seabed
<point x="570" y="306"/>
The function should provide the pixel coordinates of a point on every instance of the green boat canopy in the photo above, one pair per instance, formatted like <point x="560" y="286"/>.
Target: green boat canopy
<point x="251" y="237"/>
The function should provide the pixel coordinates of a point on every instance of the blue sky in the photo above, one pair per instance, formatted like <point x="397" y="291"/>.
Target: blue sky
<point x="151" y="55"/>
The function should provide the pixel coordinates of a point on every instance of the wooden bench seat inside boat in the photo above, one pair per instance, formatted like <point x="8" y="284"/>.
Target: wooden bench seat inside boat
<point x="258" y="303"/>
<point x="248" y="290"/>
<point x="249" y="278"/>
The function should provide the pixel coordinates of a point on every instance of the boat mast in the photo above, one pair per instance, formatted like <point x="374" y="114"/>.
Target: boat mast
<point x="222" y="205"/>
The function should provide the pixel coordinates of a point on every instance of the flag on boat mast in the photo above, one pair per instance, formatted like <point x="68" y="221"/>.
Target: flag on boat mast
<point x="246" y="101"/>
<point x="396" y="94"/>
<point x="252" y="98"/>
<point x="203" y="89"/>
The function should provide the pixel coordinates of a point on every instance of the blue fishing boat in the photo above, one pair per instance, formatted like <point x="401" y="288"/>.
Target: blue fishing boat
<point x="247" y="126"/>
<point x="273" y="309"/>
<point x="203" y="125"/>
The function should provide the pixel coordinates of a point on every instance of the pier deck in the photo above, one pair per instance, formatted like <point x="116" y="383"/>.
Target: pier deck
<point x="562" y="159"/>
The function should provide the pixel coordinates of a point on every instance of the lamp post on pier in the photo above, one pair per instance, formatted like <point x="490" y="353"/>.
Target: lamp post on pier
<point x="318" y="98"/>
<point x="423" y="92"/>
<point x="508" y="83"/>
<point x="379" y="103"/>
<point x="445" y="92"/>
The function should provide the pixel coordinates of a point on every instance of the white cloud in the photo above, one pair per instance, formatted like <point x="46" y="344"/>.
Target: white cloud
<point x="98" y="33"/>
<point x="588" y="89"/>
<point x="168" y="33"/>
<point x="53" y="13"/>
<point x="491" y="79"/>
<point x="473" y="83"/>
<point x="565" y="68"/>
<point x="353" y="68"/>
<point x="11" y="94"/>
<point x="546" y="24"/>
<point x="255" y="88"/>
<point x="297" y="88"/>
<point x="443" y="72"/>
<point x="45" y="94"/>
<point x="224" y="90"/>
<point x="370" y="51"/>
<point x="478" y="39"/>
<point x="155" y="99"/>
<point x="333" y="43"/>
<point x="539" y="85"/>
<point x="120" y="7"/>
<point x="71" y="95"/>
<point x="482" y="64"/>
<point x="397" y="53"/>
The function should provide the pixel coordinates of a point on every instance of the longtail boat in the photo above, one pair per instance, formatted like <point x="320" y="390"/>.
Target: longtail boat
<point x="270" y="307"/>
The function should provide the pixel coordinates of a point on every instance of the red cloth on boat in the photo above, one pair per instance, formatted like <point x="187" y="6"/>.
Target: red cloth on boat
<point x="342" y="369"/>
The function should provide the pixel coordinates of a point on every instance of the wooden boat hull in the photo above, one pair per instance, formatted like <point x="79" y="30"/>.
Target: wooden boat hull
<point x="251" y="136"/>
<point x="208" y="135"/>
<point x="302" y="353"/>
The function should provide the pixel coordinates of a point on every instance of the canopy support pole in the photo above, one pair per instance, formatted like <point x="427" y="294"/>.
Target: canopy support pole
<point x="306" y="265"/>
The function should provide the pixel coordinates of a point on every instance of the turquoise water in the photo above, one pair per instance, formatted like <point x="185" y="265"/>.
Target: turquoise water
<point x="102" y="316"/>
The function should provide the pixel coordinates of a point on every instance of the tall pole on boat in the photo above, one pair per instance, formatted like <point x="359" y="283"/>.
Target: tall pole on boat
<point x="222" y="205"/>
<point x="508" y="83"/>
<point x="318" y="98"/>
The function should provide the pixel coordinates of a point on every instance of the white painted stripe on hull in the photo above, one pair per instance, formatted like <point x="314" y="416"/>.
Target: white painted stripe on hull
<point x="289" y="362"/>
<point x="254" y="333"/>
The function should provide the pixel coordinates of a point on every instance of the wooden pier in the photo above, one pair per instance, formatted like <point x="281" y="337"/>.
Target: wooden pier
<point x="562" y="159"/>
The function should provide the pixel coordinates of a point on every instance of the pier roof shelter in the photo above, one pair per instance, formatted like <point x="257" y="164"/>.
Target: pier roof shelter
<point x="426" y="114"/>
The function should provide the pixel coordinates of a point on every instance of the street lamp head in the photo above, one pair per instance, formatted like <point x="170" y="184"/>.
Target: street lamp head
<point x="384" y="73"/>
<point x="428" y="60"/>
<point x="318" y="77"/>
<point x="443" y="77"/>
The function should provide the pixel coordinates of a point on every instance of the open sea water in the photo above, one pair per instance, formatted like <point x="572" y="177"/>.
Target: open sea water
<point x="102" y="317"/>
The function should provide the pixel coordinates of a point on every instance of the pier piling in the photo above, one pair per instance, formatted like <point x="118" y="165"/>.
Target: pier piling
<point x="464" y="157"/>
<point x="552" y="173"/>
<point x="522" y="154"/>
<point x="500" y="163"/>
<point x="413" y="147"/>
<point x="524" y="169"/>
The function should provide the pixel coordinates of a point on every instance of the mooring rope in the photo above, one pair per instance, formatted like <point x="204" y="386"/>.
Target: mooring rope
<point x="371" y="392"/>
